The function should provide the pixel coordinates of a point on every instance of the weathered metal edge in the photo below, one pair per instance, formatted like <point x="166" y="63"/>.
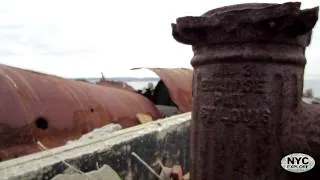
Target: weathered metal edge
<point x="33" y="165"/>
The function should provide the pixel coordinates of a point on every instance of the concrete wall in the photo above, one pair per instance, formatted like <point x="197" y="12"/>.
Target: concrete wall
<point x="166" y="140"/>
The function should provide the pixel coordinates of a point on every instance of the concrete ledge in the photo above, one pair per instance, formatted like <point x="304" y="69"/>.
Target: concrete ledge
<point x="166" y="140"/>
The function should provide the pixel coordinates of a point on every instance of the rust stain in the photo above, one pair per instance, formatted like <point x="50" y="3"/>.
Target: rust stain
<point x="36" y="106"/>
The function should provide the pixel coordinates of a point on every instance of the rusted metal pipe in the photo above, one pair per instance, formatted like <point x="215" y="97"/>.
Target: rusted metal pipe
<point x="178" y="81"/>
<point x="54" y="110"/>
<point x="247" y="112"/>
<point x="179" y="84"/>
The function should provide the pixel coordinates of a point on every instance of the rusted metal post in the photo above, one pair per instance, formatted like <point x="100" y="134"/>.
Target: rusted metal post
<point x="249" y="64"/>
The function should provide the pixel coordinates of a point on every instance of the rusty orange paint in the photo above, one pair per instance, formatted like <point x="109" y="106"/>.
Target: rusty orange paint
<point x="116" y="84"/>
<point x="179" y="83"/>
<point x="54" y="110"/>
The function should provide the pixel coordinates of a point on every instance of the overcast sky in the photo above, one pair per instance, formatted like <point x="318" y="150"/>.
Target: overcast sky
<point x="82" y="38"/>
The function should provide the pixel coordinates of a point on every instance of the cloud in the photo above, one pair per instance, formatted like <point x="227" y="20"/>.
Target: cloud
<point x="5" y="53"/>
<point x="11" y="26"/>
<point x="78" y="38"/>
<point x="68" y="52"/>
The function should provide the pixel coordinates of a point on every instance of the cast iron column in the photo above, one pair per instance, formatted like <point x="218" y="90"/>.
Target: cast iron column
<point x="248" y="79"/>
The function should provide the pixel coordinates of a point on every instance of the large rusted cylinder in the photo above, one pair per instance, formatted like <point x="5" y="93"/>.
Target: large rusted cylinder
<point x="53" y="110"/>
<point x="249" y="64"/>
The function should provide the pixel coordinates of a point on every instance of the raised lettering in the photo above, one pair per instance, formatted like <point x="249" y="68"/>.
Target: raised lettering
<point x="252" y="117"/>
<point x="232" y="85"/>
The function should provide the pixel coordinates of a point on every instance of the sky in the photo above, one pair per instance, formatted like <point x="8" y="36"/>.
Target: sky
<point x="82" y="38"/>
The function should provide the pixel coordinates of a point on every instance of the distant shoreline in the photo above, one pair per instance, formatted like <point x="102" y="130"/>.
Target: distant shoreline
<point x="313" y="84"/>
<point x="121" y="79"/>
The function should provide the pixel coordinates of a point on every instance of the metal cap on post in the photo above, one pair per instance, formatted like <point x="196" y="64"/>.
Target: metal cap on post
<point x="249" y="64"/>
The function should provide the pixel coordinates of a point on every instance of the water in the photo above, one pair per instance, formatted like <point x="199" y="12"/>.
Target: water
<point x="313" y="84"/>
<point x="141" y="84"/>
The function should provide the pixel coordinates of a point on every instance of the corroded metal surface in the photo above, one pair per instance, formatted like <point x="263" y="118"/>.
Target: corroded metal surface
<point x="37" y="106"/>
<point x="179" y="83"/>
<point x="116" y="84"/>
<point x="247" y="112"/>
<point x="163" y="141"/>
